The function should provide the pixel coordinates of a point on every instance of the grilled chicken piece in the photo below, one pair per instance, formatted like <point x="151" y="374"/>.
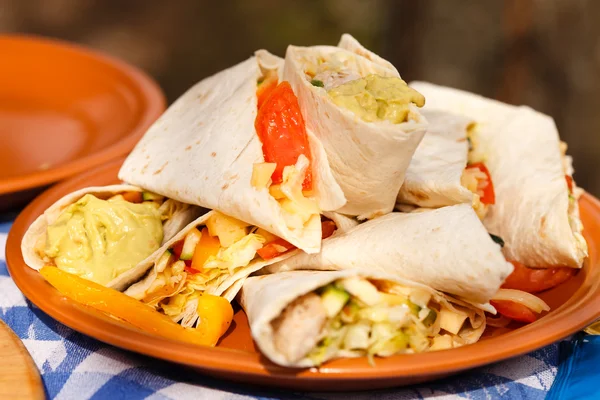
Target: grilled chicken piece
<point x="298" y="329"/>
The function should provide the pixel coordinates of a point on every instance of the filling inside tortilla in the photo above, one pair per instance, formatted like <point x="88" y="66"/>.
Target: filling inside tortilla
<point x="371" y="97"/>
<point x="476" y="177"/>
<point x="99" y="237"/>
<point x="203" y="260"/>
<point x="354" y="317"/>
<point x="574" y="194"/>
<point x="287" y="170"/>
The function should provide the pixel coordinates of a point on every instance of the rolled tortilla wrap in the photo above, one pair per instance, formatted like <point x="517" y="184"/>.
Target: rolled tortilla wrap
<point x="175" y="215"/>
<point x="433" y="178"/>
<point x="304" y="318"/>
<point x="212" y="254"/>
<point x="368" y="159"/>
<point x="447" y="249"/>
<point x="203" y="149"/>
<point x="535" y="213"/>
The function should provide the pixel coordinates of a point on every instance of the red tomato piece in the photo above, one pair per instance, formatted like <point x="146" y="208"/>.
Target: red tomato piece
<point x="489" y="197"/>
<point x="327" y="228"/>
<point x="191" y="270"/>
<point x="274" y="249"/>
<point x="177" y="249"/>
<point x="265" y="89"/>
<point x="513" y="310"/>
<point x="569" y="183"/>
<point x="282" y="132"/>
<point x="534" y="280"/>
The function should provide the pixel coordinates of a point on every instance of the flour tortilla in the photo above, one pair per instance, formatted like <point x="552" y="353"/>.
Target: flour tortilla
<point x="433" y="178"/>
<point x="183" y="214"/>
<point x="368" y="159"/>
<point x="202" y="150"/>
<point x="265" y="297"/>
<point x="522" y="147"/>
<point x="447" y="249"/>
<point x="228" y="288"/>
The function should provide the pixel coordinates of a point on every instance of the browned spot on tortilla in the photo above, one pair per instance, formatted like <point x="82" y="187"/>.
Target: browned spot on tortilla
<point x="463" y="139"/>
<point x="435" y="229"/>
<point x="542" y="227"/>
<point x="225" y="186"/>
<point x="188" y="147"/>
<point x="326" y="114"/>
<point x="213" y="154"/>
<point x="418" y="195"/>
<point x="148" y="157"/>
<point x="144" y="168"/>
<point x="200" y="123"/>
<point x="198" y="141"/>
<point x="203" y="96"/>
<point x="158" y="171"/>
<point x="234" y="177"/>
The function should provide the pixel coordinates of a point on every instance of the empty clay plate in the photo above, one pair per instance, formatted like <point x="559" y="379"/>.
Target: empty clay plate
<point x="575" y="304"/>
<point x="64" y="110"/>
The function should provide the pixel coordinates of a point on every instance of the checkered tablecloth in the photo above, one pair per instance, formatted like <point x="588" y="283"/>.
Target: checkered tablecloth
<point x="74" y="366"/>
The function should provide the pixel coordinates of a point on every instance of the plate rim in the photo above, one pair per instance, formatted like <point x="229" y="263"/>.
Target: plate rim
<point x="244" y="366"/>
<point x="154" y="104"/>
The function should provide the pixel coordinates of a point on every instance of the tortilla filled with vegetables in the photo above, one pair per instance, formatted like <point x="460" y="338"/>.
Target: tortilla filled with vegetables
<point x="212" y="255"/>
<point x="304" y="318"/>
<point x="104" y="234"/>
<point x="236" y="142"/>
<point x="448" y="167"/>
<point x="447" y="249"/>
<point x="536" y="211"/>
<point x="366" y="118"/>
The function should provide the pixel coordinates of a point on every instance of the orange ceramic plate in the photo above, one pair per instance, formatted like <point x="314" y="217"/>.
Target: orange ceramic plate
<point x="574" y="304"/>
<point x="64" y="110"/>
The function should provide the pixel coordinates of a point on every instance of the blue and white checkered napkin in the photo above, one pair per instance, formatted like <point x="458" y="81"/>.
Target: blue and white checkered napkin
<point x="74" y="366"/>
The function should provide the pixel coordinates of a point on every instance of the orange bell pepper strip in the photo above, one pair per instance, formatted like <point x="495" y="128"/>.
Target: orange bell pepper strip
<point x="133" y="197"/>
<point x="117" y="304"/>
<point x="206" y="247"/>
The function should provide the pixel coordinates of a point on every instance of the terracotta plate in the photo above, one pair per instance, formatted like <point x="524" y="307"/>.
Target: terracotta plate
<point x="574" y="305"/>
<point x="64" y="110"/>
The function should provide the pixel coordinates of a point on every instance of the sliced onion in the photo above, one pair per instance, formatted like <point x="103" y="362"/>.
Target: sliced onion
<point x="497" y="322"/>
<point x="530" y="301"/>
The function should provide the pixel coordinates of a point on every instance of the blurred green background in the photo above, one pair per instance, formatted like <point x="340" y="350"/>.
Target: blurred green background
<point x="545" y="54"/>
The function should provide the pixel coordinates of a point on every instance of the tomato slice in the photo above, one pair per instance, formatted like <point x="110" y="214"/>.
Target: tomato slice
<point x="489" y="197"/>
<point x="327" y="228"/>
<point x="206" y="247"/>
<point x="190" y="270"/>
<point x="282" y="132"/>
<point x="177" y="249"/>
<point x="534" y="280"/>
<point x="569" y="183"/>
<point x="513" y="310"/>
<point x="264" y="89"/>
<point x="274" y="249"/>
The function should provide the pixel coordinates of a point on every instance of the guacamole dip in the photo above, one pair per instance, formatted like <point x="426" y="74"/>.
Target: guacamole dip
<point x="377" y="98"/>
<point x="100" y="239"/>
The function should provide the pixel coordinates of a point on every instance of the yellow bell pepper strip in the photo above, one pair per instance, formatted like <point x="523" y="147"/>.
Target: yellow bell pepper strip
<point x="218" y="311"/>
<point x="207" y="247"/>
<point x="136" y="313"/>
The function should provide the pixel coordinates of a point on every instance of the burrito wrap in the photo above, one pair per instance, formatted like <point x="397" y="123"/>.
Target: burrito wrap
<point x="265" y="297"/>
<point x="203" y="148"/>
<point x="532" y="212"/>
<point x="447" y="249"/>
<point x="368" y="159"/>
<point x="38" y="228"/>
